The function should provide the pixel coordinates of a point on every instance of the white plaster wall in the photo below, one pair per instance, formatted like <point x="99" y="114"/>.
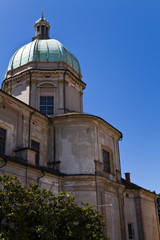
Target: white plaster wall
<point x="73" y="100"/>
<point x="49" y="182"/>
<point x="80" y="142"/>
<point x="130" y="214"/>
<point x="21" y="91"/>
<point x="85" y="196"/>
<point x="76" y="149"/>
<point x="112" y="223"/>
<point x="149" y="218"/>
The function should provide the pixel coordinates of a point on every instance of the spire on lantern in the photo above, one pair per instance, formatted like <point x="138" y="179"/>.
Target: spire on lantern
<point x="42" y="14"/>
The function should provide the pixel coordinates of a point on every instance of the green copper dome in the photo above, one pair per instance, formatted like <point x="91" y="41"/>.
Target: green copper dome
<point x="43" y="50"/>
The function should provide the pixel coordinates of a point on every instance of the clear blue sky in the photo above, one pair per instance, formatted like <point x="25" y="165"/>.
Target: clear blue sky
<point x="117" y="43"/>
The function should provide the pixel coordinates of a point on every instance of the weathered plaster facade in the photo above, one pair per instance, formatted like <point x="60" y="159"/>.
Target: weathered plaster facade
<point x="71" y="147"/>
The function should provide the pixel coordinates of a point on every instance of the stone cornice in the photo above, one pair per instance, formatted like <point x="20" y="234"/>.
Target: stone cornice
<point x="23" y="74"/>
<point x="87" y="117"/>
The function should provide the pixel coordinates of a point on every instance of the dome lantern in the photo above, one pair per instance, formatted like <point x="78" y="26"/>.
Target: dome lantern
<point x="41" y="29"/>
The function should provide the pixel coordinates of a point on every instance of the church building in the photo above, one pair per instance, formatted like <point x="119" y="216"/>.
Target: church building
<point x="46" y="138"/>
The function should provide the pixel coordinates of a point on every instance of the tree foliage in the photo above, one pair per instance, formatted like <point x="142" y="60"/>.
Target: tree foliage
<point x="35" y="213"/>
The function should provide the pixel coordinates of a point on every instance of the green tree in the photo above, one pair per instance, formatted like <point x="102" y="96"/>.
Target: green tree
<point x="35" y="213"/>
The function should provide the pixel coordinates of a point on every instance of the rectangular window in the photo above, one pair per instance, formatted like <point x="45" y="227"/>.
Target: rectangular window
<point x="106" y="161"/>
<point x="130" y="231"/>
<point x="47" y="105"/>
<point x="43" y="28"/>
<point x="38" y="30"/>
<point x="35" y="147"/>
<point x="2" y="140"/>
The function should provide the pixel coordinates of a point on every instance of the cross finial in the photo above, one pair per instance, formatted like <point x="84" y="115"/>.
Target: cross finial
<point x="42" y="14"/>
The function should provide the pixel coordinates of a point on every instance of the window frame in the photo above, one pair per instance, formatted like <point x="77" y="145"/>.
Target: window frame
<point x="46" y="106"/>
<point x="130" y="231"/>
<point x="3" y="141"/>
<point x="108" y="163"/>
<point x="38" y="30"/>
<point x="112" y="166"/>
<point x="42" y="30"/>
<point x="37" y="156"/>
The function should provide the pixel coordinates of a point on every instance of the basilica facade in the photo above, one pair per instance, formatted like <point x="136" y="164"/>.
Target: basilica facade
<point x="46" y="138"/>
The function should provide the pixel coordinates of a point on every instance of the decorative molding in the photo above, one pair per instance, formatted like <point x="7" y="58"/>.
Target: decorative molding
<point x="42" y="84"/>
